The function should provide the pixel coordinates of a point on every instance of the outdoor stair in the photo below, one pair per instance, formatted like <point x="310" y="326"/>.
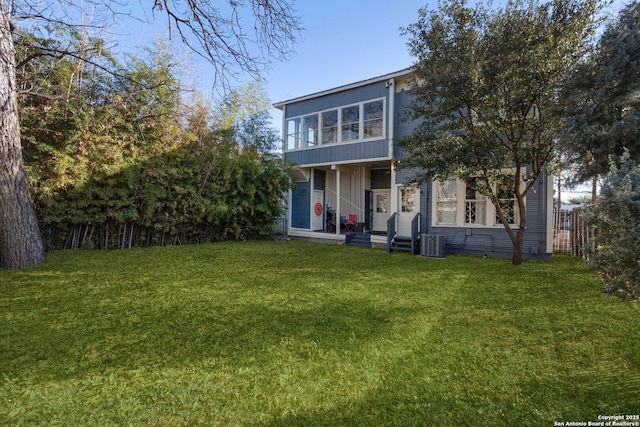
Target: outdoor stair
<point x="358" y="239"/>
<point x="396" y="242"/>
<point x="401" y="243"/>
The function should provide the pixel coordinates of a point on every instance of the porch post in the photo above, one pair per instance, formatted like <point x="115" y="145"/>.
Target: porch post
<point x="393" y="202"/>
<point x="338" y="196"/>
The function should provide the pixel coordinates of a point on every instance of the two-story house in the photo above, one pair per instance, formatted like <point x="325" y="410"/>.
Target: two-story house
<point x="347" y="190"/>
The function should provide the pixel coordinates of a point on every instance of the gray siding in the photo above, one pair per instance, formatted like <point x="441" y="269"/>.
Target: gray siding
<point x="327" y="102"/>
<point x="343" y="152"/>
<point x="494" y="242"/>
<point x="402" y="127"/>
<point x="404" y="176"/>
<point x="339" y="153"/>
<point x="488" y="241"/>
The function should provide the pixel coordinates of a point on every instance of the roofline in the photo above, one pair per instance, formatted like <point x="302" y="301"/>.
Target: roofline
<point x="403" y="72"/>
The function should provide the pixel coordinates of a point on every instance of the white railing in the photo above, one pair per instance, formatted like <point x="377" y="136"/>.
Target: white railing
<point x="351" y="207"/>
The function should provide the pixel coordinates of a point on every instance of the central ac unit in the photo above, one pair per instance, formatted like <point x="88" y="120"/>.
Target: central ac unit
<point x="432" y="245"/>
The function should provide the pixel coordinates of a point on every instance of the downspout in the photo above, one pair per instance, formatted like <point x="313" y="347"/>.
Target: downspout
<point x="290" y="191"/>
<point x="390" y="85"/>
<point x="312" y="176"/>
<point x="549" y="206"/>
<point x="339" y="196"/>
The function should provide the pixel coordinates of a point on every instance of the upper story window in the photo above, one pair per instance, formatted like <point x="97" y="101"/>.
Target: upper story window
<point x="310" y="129"/>
<point x="303" y="132"/>
<point x="373" y="116"/>
<point x="329" y="127"/>
<point x="351" y="123"/>
<point x="293" y="133"/>
<point x="459" y="204"/>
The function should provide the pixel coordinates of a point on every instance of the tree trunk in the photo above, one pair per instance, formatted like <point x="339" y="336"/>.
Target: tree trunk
<point x="20" y="240"/>
<point x="518" y="246"/>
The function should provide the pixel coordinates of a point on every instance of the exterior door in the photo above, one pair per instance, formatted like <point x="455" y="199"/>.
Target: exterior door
<point x="408" y="207"/>
<point x="368" y="209"/>
<point x="317" y="211"/>
<point x="381" y="210"/>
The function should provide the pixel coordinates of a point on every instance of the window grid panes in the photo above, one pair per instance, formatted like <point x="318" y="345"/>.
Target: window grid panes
<point x="504" y="191"/>
<point x="373" y="115"/>
<point x="293" y="133"/>
<point x="446" y="205"/>
<point x="352" y="123"/>
<point x="330" y="127"/>
<point x="475" y="204"/>
<point x="458" y="203"/>
<point x="310" y="131"/>
<point x="407" y="199"/>
<point x="382" y="202"/>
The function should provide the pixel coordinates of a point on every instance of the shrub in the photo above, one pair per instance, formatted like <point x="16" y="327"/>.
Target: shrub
<point x="617" y="247"/>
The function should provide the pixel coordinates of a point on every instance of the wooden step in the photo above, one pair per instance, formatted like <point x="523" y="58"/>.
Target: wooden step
<point x="358" y="239"/>
<point x="403" y="244"/>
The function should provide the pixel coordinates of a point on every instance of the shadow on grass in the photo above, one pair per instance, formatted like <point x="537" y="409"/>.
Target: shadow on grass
<point x="450" y="390"/>
<point x="94" y="341"/>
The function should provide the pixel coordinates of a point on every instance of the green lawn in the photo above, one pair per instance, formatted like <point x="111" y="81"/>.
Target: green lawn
<point x="286" y="334"/>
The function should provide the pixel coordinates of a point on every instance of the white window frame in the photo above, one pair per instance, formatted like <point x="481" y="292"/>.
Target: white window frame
<point x="308" y="132"/>
<point x="478" y="201"/>
<point x="491" y="220"/>
<point x="299" y="139"/>
<point x="293" y="137"/>
<point x="407" y="199"/>
<point x="444" y="200"/>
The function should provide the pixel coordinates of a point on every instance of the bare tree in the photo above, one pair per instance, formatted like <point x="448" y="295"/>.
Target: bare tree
<point x="235" y="36"/>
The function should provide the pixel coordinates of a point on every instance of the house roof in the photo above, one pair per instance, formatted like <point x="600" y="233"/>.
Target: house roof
<point x="404" y="72"/>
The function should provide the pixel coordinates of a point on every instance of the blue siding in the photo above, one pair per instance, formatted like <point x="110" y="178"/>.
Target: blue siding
<point x="327" y="102"/>
<point x="489" y="241"/>
<point x="402" y="127"/>
<point x="494" y="242"/>
<point x="342" y="152"/>
<point x="300" y="206"/>
<point x="406" y="175"/>
<point x="339" y="153"/>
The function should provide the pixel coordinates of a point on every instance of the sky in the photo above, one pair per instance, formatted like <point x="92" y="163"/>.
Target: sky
<point x="344" y="41"/>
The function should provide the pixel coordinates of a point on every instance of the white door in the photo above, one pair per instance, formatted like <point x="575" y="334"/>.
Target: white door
<point x="381" y="207"/>
<point x="317" y="211"/>
<point x="408" y="207"/>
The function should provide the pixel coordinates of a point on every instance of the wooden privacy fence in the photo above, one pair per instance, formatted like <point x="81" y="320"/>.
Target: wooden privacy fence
<point x="571" y="233"/>
<point x="129" y="234"/>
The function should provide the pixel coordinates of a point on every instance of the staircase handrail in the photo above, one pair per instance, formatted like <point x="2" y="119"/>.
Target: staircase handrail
<point x="358" y="209"/>
<point x="415" y="233"/>
<point x="391" y="230"/>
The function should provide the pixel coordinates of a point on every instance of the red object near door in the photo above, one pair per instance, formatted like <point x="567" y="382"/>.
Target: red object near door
<point x="318" y="209"/>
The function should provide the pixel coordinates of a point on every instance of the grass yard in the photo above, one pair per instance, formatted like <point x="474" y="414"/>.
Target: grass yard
<point x="297" y="334"/>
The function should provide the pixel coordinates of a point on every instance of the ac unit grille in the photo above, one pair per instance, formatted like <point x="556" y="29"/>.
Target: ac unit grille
<point x="432" y="245"/>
